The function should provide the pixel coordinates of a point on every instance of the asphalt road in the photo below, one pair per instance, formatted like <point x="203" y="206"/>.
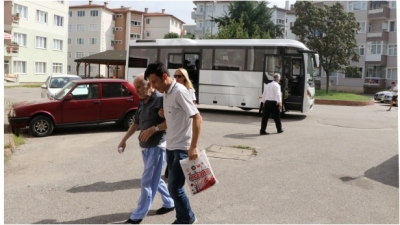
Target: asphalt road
<point x="335" y="164"/>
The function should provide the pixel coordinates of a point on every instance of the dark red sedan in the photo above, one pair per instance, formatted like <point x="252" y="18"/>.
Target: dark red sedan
<point x="78" y="102"/>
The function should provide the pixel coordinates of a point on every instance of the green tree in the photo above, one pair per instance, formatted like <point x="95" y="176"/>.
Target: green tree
<point x="330" y="31"/>
<point x="232" y="30"/>
<point x="256" y="19"/>
<point x="171" y="35"/>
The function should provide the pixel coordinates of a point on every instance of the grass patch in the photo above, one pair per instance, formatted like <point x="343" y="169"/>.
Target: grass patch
<point x="336" y="95"/>
<point x="18" y="140"/>
<point x="7" y="146"/>
<point x="25" y="86"/>
<point x="6" y="158"/>
<point x="254" y="151"/>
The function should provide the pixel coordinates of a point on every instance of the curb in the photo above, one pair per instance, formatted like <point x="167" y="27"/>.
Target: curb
<point x="343" y="102"/>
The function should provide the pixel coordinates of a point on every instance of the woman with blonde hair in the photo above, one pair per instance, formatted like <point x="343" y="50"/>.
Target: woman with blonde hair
<point x="181" y="76"/>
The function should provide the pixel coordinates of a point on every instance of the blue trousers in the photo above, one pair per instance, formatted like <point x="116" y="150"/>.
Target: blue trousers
<point x="153" y="159"/>
<point x="176" y="182"/>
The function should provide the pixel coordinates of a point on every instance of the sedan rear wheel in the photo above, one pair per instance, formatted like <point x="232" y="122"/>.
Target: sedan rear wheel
<point x="129" y="119"/>
<point x="41" y="126"/>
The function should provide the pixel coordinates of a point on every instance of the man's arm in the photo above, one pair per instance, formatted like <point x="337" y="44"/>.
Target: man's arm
<point x="278" y="96"/>
<point x="146" y="134"/>
<point x="128" y="134"/>
<point x="196" y="129"/>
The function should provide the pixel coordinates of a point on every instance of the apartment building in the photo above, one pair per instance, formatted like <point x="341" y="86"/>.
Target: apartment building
<point x="158" y="24"/>
<point x="90" y="31"/>
<point x="279" y="17"/>
<point x="40" y="30"/>
<point x="377" y="46"/>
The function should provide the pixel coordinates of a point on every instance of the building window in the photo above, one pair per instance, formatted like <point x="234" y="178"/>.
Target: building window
<point x="135" y="36"/>
<point x="94" y="12"/>
<point x="201" y="8"/>
<point x="225" y="8"/>
<point x="80" y="27"/>
<point x="19" y="67"/>
<point x="41" y="42"/>
<point x="80" y="41"/>
<point x="58" y="21"/>
<point x="57" y="68"/>
<point x="360" y="50"/>
<point x="40" y="67"/>
<point x="357" y="5"/>
<point x="92" y="41"/>
<point x="20" y="39"/>
<point x="118" y="15"/>
<point x="69" y="27"/>
<point x="172" y="22"/>
<point x="57" y="44"/>
<point x="391" y="74"/>
<point x="392" y="50"/>
<point x="362" y="27"/>
<point x="280" y="21"/>
<point x="135" y="23"/>
<point x="112" y="42"/>
<point x="147" y="33"/>
<point x="93" y="27"/>
<point x="81" y="13"/>
<point x="393" y="4"/>
<point x="79" y="55"/>
<point x="60" y="1"/>
<point x="69" y="68"/>
<point x="148" y="21"/>
<point x="22" y="10"/>
<point x="70" y="13"/>
<point x="393" y="26"/>
<point x="92" y="69"/>
<point x="117" y="42"/>
<point x="377" y="47"/>
<point x="201" y="24"/>
<point x="69" y="55"/>
<point x="41" y="16"/>
<point x="118" y="28"/>
<point x="69" y="41"/>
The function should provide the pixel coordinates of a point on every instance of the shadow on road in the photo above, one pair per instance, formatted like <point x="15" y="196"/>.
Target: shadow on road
<point x="103" y="219"/>
<point x="386" y="172"/>
<point x="107" y="187"/>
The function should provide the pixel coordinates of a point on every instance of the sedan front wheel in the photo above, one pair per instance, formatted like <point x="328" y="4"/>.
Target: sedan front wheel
<point x="41" y="126"/>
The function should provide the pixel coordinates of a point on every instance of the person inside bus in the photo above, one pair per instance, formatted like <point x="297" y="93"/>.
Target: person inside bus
<point x="181" y="76"/>
<point x="272" y="103"/>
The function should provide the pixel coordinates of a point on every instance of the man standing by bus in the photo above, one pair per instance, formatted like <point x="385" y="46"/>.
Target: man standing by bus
<point x="183" y="131"/>
<point x="272" y="103"/>
<point x="394" y="90"/>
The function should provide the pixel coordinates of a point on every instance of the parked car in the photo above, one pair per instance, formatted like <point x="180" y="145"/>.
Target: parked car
<point x="79" y="102"/>
<point x="380" y="96"/>
<point x="54" y="83"/>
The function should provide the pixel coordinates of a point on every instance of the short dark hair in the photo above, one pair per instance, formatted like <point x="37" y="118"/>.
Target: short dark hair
<point x="157" y="68"/>
<point x="393" y="82"/>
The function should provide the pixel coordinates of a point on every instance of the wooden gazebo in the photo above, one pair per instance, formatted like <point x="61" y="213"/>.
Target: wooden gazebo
<point x="109" y="58"/>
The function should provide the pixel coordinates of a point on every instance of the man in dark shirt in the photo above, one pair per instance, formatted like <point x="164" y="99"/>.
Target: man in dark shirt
<point x="153" y="145"/>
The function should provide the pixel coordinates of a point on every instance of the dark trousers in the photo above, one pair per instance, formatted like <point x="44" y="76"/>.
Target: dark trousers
<point x="271" y="107"/>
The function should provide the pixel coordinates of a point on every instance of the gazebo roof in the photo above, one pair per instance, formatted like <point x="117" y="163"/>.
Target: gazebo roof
<point x="113" y="57"/>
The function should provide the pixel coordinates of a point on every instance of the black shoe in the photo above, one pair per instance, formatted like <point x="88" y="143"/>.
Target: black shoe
<point x="129" y="221"/>
<point x="263" y="133"/>
<point x="280" y="131"/>
<point x="164" y="210"/>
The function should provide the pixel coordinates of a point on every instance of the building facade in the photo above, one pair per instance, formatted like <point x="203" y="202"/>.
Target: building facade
<point x="38" y="47"/>
<point x="91" y="29"/>
<point x="158" y="24"/>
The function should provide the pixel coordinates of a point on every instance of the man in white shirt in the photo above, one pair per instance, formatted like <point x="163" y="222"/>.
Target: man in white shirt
<point x="183" y="131"/>
<point x="394" y="89"/>
<point x="272" y="103"/>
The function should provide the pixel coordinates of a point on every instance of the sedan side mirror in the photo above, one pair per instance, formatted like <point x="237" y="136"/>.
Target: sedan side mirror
<point x="44" y="86"/>
<point x="68" y="97"/>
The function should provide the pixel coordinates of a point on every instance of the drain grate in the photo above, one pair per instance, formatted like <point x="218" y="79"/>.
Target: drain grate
<point x="234" y="152"/>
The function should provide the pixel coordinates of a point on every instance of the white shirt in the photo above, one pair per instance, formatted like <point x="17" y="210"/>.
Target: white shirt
<point x="395" y="89"/>
<point x="178" y="108"/>
<point x="191" y="91"/>
<point x="272" y="92"/>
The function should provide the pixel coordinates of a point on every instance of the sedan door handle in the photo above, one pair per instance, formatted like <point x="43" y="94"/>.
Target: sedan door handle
<point x="129" y="100"/>
<point x="96" y="102"/>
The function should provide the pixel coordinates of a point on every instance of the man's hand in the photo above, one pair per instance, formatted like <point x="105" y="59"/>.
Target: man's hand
<point x="193" y="153"/>
<point x="122" y="145"/>
<point x="280" y="106"/>
<point x="146" y="134"/>
<point x="161" y="113"/>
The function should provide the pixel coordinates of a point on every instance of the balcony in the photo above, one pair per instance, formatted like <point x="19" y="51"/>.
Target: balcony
<point x="379" y="14"/>
<point x="198" y="30"/>
<point x="15" y="18"/>
<point x="197" y="15"/>
<point x="10" y="51"/>
<point x="378" y="36"/>
<point x="376" y="59"/>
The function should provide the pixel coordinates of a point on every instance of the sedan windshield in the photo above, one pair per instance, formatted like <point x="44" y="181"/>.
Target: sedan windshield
<point x="64" y="91"/>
